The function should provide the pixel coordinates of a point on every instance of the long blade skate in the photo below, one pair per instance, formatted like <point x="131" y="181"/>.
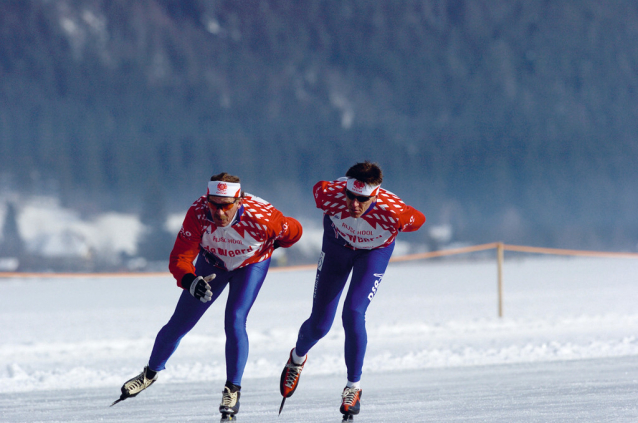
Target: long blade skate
<point x="281" y="407"/>
<point x="122" y="397"/>
<point x="230" y="402"/>
<point x="228" y="417"/>
<point x="347" y="418"/>
<point x="290" y="379"/>
<point x="135" y="385"/>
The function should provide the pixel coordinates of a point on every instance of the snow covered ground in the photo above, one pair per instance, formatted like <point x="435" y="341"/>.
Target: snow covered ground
<point x="565" y="351"/>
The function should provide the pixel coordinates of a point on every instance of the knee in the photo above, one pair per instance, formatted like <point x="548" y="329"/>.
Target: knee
<point x="352" y="318"/>
<point x="318" y="329"/>
<point x="174" y="330"/>
<point x="235" y="323"/>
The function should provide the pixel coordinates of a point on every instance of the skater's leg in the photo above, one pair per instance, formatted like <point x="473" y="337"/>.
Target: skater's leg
<point x="369" y="267"/>
<point x="244" y="286"/>
<point x="187" y="313"/>
<point x="332" y="273"/>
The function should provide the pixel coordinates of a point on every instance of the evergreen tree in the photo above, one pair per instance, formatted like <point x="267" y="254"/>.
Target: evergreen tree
<point x="156" y="242"/>
<point x="497" y="105"/>
<point x="12" y="244"/>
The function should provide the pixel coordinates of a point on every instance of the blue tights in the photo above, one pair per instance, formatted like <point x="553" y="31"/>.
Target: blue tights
<point x="244" y="285"/>
<point x="335" y="264"/>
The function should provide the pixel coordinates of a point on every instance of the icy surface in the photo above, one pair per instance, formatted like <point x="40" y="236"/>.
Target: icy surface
<point x="566" y="349"/>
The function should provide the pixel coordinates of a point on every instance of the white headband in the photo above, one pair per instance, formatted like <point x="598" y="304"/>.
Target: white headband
<point x="358" y="187"/>
<point x="224" y="189"/>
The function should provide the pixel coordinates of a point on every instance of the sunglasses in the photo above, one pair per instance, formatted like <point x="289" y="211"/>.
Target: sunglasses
<point x="359" y="198"/>
<point x="222" y="206"/>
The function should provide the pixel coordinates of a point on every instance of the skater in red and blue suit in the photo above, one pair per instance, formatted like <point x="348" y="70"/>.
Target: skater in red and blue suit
<point x="232" y="236"/>
<point x="361" y="221"/>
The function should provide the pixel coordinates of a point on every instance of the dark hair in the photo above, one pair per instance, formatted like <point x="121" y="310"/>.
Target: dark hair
<point x="227" y="178"/>
<point x="224" y="177"/>
<point x="367" y="172"/>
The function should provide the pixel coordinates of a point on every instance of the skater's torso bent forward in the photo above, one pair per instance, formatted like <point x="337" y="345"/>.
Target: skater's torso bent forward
<point x="249" y="239"/>
<point x="377" y="227"/>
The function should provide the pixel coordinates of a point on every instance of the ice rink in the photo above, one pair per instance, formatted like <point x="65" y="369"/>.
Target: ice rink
<point x="565" y="350"/>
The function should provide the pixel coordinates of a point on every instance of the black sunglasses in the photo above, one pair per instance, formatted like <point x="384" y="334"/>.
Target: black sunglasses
<point x="360" y="198"/>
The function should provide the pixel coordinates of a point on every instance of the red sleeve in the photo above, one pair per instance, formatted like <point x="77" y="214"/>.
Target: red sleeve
<point x="186" y="247"/>
<point x="318" y="191"/>
<point x="290" y="233"/>
<point x="410" y="219"/>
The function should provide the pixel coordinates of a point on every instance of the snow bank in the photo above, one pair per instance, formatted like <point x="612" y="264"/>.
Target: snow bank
<point x="69" y="334"/>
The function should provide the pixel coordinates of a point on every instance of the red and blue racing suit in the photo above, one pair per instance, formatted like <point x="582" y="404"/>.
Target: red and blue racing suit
<point x="239" y="255"/>
<point x="362" y="246"/>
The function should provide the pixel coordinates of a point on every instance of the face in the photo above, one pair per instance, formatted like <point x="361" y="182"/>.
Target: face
<point x="358" y="204"/>
<point x="223" y="209"/>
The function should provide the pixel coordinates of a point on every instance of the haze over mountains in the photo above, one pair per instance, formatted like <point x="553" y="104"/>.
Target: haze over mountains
<point x="511" y="120"/>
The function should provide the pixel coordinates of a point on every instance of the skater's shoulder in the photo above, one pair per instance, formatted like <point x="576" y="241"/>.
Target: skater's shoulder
<point x="389" y="202"/>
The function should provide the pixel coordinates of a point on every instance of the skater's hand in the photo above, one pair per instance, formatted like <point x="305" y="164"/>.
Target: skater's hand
<point x="200" y="289"/>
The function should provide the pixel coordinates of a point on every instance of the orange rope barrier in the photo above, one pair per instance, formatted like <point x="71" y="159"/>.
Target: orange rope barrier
<point x="83" y="275"/>
<point x="52" y="275"/>
<point x="408" y="257"/>
<point x="563" y="252"/>
<point x="441" y="253"/>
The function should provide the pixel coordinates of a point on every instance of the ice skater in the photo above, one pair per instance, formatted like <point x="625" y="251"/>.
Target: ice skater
<point x="361" y="221"/>
<point x="232" y="235"/>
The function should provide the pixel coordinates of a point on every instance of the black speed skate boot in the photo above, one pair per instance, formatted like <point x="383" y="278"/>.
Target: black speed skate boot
<point x="290" y="379"/>
<point x="350" y="403"/>
<point x="230" y="402"/>
<point x="134" y="386"/>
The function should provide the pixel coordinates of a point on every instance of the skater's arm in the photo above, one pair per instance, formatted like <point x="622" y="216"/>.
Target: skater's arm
<point x="319" y="192"/>
<point x="181" y="259"/>
<point x="410" y="219"/>
<point x="186" y="248"/>
<point x="291" y="232"/>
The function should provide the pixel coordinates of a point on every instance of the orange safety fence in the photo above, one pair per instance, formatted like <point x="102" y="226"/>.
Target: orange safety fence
<point x="449" y="252"/>
<point x="408" y="257"/>
<point x="563" y="252"/>
<point x="499" y="246"/>
<point x="518" y="248"/>
<point x="82" y="275"/>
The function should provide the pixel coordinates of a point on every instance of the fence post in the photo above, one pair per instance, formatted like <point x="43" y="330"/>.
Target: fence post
<point x="499" y="264"/>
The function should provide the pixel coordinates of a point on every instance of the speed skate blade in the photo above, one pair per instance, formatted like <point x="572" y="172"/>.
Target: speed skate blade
<point x="228" y="418"/>
<point x="281" y="407"/>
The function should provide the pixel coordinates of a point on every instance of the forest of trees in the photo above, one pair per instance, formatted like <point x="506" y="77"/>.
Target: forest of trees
<point x="512" y="120"/>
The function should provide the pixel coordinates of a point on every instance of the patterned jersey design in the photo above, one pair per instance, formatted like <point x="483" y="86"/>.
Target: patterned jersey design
<point x="378" y="227"/>
<point x="249" y="239"/>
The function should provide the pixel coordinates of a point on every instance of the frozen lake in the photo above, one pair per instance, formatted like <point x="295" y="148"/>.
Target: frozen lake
<point x="566" y="349"/>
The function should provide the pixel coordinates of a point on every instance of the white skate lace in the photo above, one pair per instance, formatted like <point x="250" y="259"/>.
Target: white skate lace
<point x="138" y="383"/>
<point x="293" y="374"/>
<point x="349" y="396"/>
<point x="229" y="399"/>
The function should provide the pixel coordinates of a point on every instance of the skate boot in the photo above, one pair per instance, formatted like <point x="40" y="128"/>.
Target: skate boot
<point x="350" y="403"/>
<point x="230" y="402"/>
<point x="136" y="385"/>
<point x="290" y="379"/>
<point x="290" y="376"/>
